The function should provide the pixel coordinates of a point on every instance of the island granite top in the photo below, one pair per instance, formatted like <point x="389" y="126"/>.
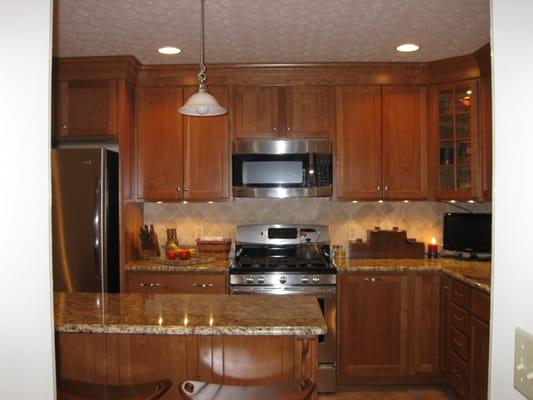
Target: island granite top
<point x="183" y="314"/>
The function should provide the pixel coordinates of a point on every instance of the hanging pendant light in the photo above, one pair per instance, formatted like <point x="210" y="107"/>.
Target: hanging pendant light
<point x="202" y="103"/>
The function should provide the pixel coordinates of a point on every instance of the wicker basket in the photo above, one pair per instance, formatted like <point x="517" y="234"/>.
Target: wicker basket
<point x="216" y="249"/>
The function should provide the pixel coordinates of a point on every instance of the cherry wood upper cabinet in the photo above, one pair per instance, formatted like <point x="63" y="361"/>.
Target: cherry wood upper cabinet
<point x="307" y="111"/>
<point x="207" y="152"/>
<point x="255" y="112"/>
<point x="485" y="135"/>
<point x="373" y="326"/>
<point x="404" y="142"/>
<point x="159" y="143"/>
<point x="454" y="141"/>
<point x="359" y="142"/>
<point x="85" y="110"/>
<point x="271" y="112"/>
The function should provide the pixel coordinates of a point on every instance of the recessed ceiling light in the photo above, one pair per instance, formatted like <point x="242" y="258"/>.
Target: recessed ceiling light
<point x="169" y="50"/>
<point x="407" y="47"/>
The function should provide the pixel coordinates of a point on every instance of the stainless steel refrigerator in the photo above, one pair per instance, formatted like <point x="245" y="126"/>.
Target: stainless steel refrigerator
<point x="85" y="220"/>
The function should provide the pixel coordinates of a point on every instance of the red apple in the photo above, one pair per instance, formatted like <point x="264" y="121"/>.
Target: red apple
<point x="183" y="254"/>
<point x="172" y="254"/>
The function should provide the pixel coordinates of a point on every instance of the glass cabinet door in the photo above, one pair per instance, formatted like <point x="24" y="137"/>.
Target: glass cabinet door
<point x="456" y="136"/>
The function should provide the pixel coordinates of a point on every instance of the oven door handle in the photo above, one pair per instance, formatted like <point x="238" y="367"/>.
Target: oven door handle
<point x="304" y="291"/>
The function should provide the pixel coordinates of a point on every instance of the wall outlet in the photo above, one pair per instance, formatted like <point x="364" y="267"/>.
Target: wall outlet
<point x="523" y="362"/>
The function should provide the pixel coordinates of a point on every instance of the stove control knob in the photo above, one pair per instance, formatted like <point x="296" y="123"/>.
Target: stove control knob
<point x="260" y="279"/>
<point x="282" y="279"/>
<point x="305" y="279"/>
<point x="249" y="279"/>
<point x="316" y="279"/>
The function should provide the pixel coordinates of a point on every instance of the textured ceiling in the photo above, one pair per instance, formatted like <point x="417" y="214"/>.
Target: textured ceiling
<point x="271" y="31"/>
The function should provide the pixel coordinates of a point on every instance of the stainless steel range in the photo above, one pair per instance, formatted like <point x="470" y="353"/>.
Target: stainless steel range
<point x="291" y="260"/>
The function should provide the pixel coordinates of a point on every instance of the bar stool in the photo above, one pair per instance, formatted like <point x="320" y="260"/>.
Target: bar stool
<point x="292" y="390"/>
<point x="76" y="390"/>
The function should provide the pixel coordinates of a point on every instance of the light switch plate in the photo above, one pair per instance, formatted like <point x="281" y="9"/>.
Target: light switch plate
<point x="523" y="361"/>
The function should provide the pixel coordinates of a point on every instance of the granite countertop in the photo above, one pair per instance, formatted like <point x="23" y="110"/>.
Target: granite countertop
<point x="474" y="273"/>
<point x="166" y="266"/>
<point x="183" y="314"/>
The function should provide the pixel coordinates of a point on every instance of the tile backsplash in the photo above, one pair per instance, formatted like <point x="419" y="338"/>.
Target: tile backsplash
<point x="346" y="220"/>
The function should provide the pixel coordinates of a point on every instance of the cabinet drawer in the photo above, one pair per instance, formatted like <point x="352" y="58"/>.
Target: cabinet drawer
<point x="180" y="282"/>
<point x="460" y="294"/>
<point x="458" y="375"/>
<point x="480" y="305"/>
<point x="459" y="319"/>
<point x="459" y="343"/>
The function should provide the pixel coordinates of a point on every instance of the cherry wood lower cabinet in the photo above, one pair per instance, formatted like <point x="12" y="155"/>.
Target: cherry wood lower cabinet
<point x="135" y="358"/>
<point x="176" y="282"/>
<point x="388" y="328"/>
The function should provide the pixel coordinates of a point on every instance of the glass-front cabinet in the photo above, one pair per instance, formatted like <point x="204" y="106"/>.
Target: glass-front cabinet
<point x="456" y="140"/>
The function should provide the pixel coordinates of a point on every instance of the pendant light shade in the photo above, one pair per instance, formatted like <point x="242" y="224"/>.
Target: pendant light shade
<point x="202" y="103"/>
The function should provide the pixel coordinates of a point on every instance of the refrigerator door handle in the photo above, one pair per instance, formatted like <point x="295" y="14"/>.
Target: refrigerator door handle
<point x="96" y="226"/>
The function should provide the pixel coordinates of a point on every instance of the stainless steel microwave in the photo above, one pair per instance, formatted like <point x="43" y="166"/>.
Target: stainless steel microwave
<point x="282" y="168"/>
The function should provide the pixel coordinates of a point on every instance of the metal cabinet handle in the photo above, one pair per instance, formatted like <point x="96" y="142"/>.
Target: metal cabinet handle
<point x="288" y="129"/>
<point x="378" y="188"/>
<point x="63" y="126"/>
<point x="150" y="284"/>
<point x="457" y="343"/>
<point x="372" y="280"/>
<point x="274" y="129"/>
<point x="185" y="189"/>
<point x="178" y="189"/>
<point x="459" y="294"/>
<point x="455" y="316"/>
<point x="203" y="285"/>
<point x="386" y="188"/>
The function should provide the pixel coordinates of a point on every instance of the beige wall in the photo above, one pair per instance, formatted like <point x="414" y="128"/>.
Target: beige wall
<point x="422" y="220"/>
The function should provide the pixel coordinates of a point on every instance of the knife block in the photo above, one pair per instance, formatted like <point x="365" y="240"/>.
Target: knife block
<point x="387" y="244"/>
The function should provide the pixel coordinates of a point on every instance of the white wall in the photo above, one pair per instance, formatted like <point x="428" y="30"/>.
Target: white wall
<point x="26" y="345"/>
<point x="512" y="291"/>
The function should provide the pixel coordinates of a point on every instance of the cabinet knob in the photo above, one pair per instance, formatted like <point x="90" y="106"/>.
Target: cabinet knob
<point x="378" y="188"/>
<point x="288" y="129"/>
<point x="64" y="126"/>
<point x="386" y="188"/>
<point x="185" y="189"/>
<point x="275" y="130"/>
<point x="178" y="189"/>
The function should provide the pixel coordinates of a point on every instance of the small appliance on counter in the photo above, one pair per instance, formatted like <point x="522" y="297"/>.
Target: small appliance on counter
<point x="282" y="168"/>
<point x="387" y="244"/>
<point x="467" y="235"/>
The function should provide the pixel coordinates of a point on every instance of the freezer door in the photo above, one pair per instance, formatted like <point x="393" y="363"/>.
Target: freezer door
<point x="77" y="219"/>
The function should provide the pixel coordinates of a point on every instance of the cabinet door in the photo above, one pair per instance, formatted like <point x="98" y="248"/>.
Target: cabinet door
<point x="479" y="359"/>
<point x="455" y="170"/>
<point x="307" y="111"/>
<point x="255" y="112"/>
<point x="159" y="144"/>
<point x="86" y="110"/>
<point x="373" y="323"/>
<point x="207" y="152"/>
<point x="445" y="289"/>
<point x="404" y="142"/>
<point x="126" y="142"/>
<point x="358" y="144"/>
<point x="426" y="323"/>
<point x="176" y="282"/>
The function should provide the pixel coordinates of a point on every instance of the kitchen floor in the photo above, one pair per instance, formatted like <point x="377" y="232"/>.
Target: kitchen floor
<point x="395" y="393"/>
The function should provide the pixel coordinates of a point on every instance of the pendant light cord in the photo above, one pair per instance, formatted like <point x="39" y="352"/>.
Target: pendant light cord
<point x="202" y="77"/>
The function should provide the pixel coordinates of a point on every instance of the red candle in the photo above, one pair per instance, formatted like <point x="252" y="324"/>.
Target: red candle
<point x="433" y="249"/>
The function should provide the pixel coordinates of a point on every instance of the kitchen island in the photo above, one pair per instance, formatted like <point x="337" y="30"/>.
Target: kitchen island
<point x="131" y="338"/>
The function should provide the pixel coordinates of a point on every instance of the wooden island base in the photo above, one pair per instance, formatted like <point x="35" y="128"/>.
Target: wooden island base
<point x="133" y="358"/>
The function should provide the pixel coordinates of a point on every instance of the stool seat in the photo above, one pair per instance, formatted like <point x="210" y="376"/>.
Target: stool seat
<point x="293" y="390"/>
<point x="76" y="390"/>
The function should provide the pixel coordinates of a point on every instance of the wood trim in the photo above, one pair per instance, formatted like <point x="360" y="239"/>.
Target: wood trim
<point x="97" y="68"/>
<point x="453" y="69"/>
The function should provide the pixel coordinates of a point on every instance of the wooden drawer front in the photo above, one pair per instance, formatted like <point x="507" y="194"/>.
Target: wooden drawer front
<point x="207" y="283"/>
<point x="179" y="282"/>
<point x="480" y="305"/>
<point x="459" y="343"/>
<point x="460" y="294"/>
<point x="459" y="319"/>
<point x="458" y="375"/>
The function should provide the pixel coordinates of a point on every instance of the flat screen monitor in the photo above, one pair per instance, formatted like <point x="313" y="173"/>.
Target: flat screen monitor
<point x="467" y="232"/>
